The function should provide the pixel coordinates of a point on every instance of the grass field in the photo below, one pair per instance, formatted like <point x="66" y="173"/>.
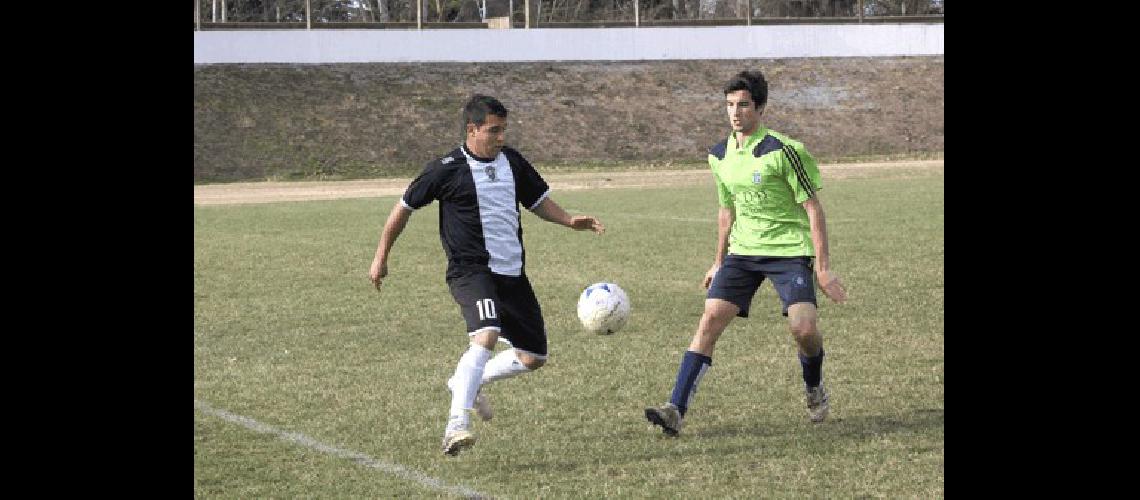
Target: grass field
<point x="309" y="383"/>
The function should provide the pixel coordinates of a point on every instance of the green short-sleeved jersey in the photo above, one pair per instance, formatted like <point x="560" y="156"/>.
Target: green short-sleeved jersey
<point x="765" y="183"/>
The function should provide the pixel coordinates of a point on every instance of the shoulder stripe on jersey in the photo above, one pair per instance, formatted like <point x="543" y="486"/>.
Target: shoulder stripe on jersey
<point x="719" y="149"/>
<point x="456" y="156"/>
<point x="798" y="167"/>
<point x="406" y="205"/>
<point x="766" y="145"/>
<point x="540" y="198"/>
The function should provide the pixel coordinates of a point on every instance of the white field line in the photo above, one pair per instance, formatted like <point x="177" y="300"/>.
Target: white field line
<point x="360" y="458"/>
<point x="273" y="191"/>
<point x="606" y="215"/>
<point x="708" y="220"/>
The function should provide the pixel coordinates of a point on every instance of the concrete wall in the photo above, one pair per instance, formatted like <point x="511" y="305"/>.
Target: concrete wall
<point x="567" y="44"/>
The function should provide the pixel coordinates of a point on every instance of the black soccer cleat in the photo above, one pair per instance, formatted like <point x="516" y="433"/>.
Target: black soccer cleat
<point x="668" y="417"/>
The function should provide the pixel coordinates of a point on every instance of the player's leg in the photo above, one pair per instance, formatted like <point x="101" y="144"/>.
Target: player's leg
<point x="522" y="326"/>
<point x="523" y="329"/>
<point x="511" y="362"/>
<point x="475" y="294"/>
<point x="793" y="280"/>
<point x="694" y="363"/>
<point x="716" y="317"/>
<point x="802" y="321"/>
<point x="508" y="363"/>
<point x="730" y="295"/>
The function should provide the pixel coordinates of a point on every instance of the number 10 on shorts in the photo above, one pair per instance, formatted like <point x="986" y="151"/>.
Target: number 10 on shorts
<point x="486" y="309"/>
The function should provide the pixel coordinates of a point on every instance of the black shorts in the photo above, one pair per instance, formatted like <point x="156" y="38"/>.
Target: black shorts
<point x="741" y="275"/>
<point x="503" y="303"/>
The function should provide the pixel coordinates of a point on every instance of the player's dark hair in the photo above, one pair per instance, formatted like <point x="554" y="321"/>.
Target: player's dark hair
<point x="753" y="82"/>
<point x="478" y="107"/>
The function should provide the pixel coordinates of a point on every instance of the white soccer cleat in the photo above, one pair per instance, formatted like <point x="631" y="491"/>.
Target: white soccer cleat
<point x="817" y="403"/>
<point x="455" y="441"/>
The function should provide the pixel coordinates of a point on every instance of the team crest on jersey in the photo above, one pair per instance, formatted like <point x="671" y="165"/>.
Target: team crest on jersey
<point x="446" y="159"/>
<point x="756" y="177"/>
<point x="490" y="169"/>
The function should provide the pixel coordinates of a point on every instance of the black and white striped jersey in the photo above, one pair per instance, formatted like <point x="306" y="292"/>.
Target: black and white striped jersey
<point x="479" y="207"/>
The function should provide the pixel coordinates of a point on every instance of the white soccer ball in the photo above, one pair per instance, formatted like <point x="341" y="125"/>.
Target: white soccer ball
<point x="603" y="308"/>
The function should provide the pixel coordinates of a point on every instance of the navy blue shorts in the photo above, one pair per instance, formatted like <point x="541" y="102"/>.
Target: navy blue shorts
<point x="503" y="303"/>
<point x="741" y="275"/>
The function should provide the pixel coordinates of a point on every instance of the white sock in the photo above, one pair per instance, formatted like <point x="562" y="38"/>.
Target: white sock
<point x="506" y="364"/>
<point x="466" y="380"/>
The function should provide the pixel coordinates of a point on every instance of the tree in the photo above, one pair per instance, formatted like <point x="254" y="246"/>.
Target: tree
<point x="901" y="7"/>
<point x="553" y="10"/>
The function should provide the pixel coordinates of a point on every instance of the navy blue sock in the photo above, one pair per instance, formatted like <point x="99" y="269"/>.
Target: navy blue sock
<point x="693" y="367"/>
<point x="813" y="368"/>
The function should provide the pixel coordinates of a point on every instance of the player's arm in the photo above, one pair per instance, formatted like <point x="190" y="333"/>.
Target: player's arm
<point x="397" y="219"/>
<point x="724" y="219"/>
<point x="534" y="193"/>
<point x="548" y="210"/>
<point x="828" y="281"/>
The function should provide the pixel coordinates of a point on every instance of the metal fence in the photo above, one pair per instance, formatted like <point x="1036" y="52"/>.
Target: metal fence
<point x="380" y="14"/>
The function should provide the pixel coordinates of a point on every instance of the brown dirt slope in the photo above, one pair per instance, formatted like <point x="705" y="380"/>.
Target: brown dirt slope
<point x="280" y="121"/>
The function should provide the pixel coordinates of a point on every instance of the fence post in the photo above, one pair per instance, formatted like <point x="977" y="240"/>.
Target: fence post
<point x="748" y="17"/>
<point x="860" y="10"/>
<point x="223" y="11"/>
<point x="526" y="18"/>
<point x="197" y="15"/>
<point x="636" y="14"/>
<point x="308" y="16"/>
<point x="419" y="14"/>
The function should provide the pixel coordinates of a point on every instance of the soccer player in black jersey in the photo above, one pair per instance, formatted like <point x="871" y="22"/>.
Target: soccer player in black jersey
<point x="480" y="186"/>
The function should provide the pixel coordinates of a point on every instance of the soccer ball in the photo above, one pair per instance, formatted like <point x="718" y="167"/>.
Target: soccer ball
<point x="603" y="308"/>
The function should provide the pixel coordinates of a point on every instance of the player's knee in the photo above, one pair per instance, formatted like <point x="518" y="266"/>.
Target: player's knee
<point x="712" y="324"/>
<point x="530" y="361"/>
<point x="803" y="329"/>
<point x="713" y="318"/>
<point x="802" y="321"/>
<point x="717" y="314"/>
<point x="485" y="337"/>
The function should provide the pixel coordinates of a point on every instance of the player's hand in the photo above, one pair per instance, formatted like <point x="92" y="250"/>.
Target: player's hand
<point x="709" y="276"/>
<point x="832" y="286"/>
<point x="377" y="273"/>
<point x="584" y="222"/>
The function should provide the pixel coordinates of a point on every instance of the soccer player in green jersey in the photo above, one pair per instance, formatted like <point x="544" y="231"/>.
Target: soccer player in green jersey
<point x="771" y="225"/>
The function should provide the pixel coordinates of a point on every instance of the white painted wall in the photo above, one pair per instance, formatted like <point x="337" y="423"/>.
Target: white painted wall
<point x="568" y="44"/>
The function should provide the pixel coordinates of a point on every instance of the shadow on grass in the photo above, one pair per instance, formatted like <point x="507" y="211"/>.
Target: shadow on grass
<point x="851" y="428"/>
<point x="775" y="440"/>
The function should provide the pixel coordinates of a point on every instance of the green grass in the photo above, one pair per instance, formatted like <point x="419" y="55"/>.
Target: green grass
<point x="289" y="332"/>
